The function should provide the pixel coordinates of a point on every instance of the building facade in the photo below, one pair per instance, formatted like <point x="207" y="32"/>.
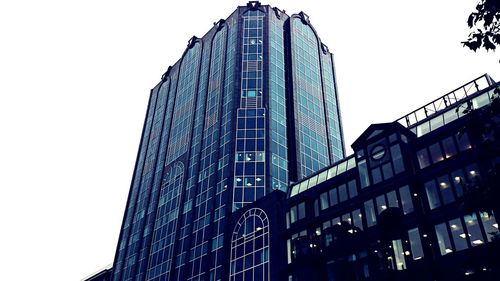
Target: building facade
<point x="249" y="107"/>
<point x="416" y="201"/>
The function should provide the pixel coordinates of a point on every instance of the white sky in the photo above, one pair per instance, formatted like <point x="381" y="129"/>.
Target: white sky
<point x="74" y="83"/>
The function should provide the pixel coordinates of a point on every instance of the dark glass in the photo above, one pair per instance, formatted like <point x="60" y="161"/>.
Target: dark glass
<point x="423" y="158"/>
<point x="446" y="189"/>
<point x="324" y="200"/>
<point x="443" y="239"/>
<point x="376" y="175"/>
<point x="415" y="244"/>
<point x="363" y="174"/>
<point x="435" y="153"/>
<point x="397" y="159"/>
<point x="406" y="201"/>
<point x="463" y="141"/>
<point x="458" y="234"/>
<point x="392" y="199"/>
<point x="371" y="218"/>
<point x="387" y="170"/>
<point x="301" y="210"/>
<point x="333" y="196"/>
<point x="458" y="179"/>
<point x="381" y="204"/>
<point x="353" y="190"/>
<point x="449" y="147"/>
<point x="432" y="194"/>
<point x="342" y="193"/>
<point x="473" y="228"/>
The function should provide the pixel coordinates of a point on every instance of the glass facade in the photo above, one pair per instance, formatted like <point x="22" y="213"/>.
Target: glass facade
<point x="217" y="137"/>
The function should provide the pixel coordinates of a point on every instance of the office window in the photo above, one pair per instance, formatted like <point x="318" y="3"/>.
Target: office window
<point x="392" y="199"/>
<point x="406" y="201"/>
<point x="473" y="228"/>
<point x="446" y="189"/>
<point x="435" y="153"/>
<point x="381" y="204"/>
<point x="423" y="158"/>
<point x="463" y="141"/>
<point x="333" y="196"/>
<point x="371" y="218"/>
<point x="357" y="219"/>
<point x="490" y="225"/>
<point x="443" y="239"/>
<point x="449" y="147"/>
<point x="458" y="179"/>
<point x="342" y="193"/>
<point x="353" y="189"/>
<point x="415" y="244"/>
<point x="432" y="194"/>
<point x="301" y="210"/>
<point x="324" y="200"/>
<point x="458" y="234"/>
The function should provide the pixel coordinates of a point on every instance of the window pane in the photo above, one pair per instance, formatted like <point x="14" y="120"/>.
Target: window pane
<point x="449" y="147"/>
<point x="446" y="190"/>
<point x="293" y="214"/>
<point x="347" y="218"/>
<point x="363" y="174"/>
<point x="371" y="219"/>
<point x="316" y="208"/>
<point x="302" y="210"/>
<point x="423" y="158"/>
<point x="463" y="141"/>
<point x="404" y="193"/>
<point x="476" y="237"/>
<point x="435" y="153"/>
<point x="333" y="196"/>
<point x="392" y="199"/>
<point x="376" y="175"/>
<point x="490" y="225"/>
<point x="324" y="200"/>
<point x="342" y="193"/>
<point x="432" y="195"/>
<point x="399" y="254"/>
<point x="415" y="244"/>
<point x="472" y="172"/>
<point x="443" y="239"/>
<point x="458" y="180"/>
<point x="397" y="159"/>
<point x="356" y="218"/>
<point x="458" y="235"/>
<point x="387" y="170"/>
<point x="353" y="190"/>
<point x="381" y="204"/>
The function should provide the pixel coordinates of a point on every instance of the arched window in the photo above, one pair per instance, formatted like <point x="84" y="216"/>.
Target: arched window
<point x="250" y="247"/>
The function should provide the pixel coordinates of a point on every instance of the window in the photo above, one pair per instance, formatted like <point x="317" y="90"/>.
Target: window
<point x="463" y="141"/>
<point x="458" y="234"/>
<point x="443" y="239"/>
<point x="404" y="193"/>
<point x="381" y="204"/>
<point x="324" y="200"/>
<point x="342" y="193"/>
<point x="473" y="228"/>
<point x="423" y="158"/>
<point x="432" y="195"/>
<point x="490" y="225"/>
<point x="449" y="147"/>
<point x="333" y="196"/>
<point x="250" y="246"/>
<point x="371" y="218"/>
<point x="446" y="189"/>
<point x="353" y="190"/>
<point x="435" y="153"/>
<point x="415" y="244"/>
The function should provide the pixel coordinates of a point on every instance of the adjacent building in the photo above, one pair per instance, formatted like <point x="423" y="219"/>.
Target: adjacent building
<point x="249" y="107"/>
<point x="417" y="200"/>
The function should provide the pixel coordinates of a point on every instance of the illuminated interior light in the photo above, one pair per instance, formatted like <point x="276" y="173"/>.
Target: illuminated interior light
<point x="258" y="179"/>
<point x="407" y="253"/>
<point x="417" y="258"/>
<point x="351" y="231"/>
<point x="477" y="242"/>
<point x="425" y="235"/>
<point x="415" y="195"/>
<point x="457" y="179"/>
<point x="383" y="207"/>
<point x="463" y="235"/>
<point x="495" y="225"/>
<point x="259" y="228"/>
<point x="361" y="215"/>
<point x="443" y="184"/>
<point x="454" y="226"/>
<point x="238" y="179"/>
<point x="472" y="172"/>
<point x="249" y="184"/>
<point x="447" y="250"/>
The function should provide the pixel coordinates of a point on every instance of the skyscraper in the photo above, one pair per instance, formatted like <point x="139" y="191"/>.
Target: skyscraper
<point x="249" y="107"/>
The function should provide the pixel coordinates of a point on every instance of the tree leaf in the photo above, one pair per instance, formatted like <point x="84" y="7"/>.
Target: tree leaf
<point x="487" y="43"/>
